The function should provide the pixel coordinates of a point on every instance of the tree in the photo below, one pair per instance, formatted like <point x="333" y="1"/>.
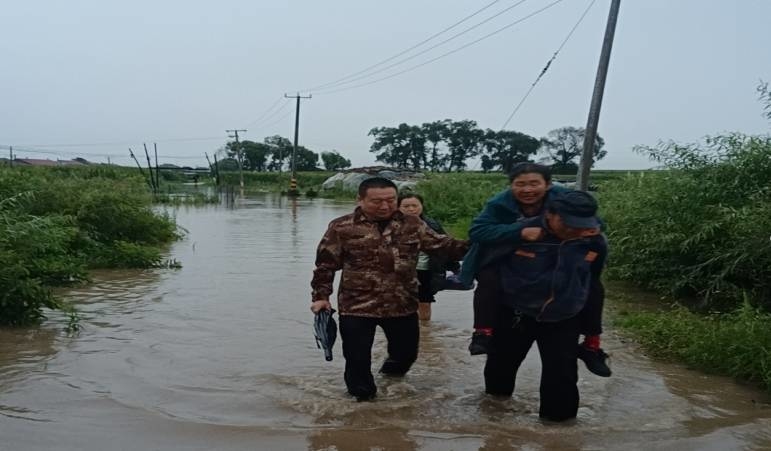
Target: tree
<point x="281" y="150"/>
<point x="435" y="132"/>
<point x="764" y="95"/>
<point x="403" y="146"/>
<point x="463" y="139"/>
<point x="254" y="154"/>
<point x="565" y="145"/>
<point x="306" y="159"/>
<point x="503" y="149"/>
<point x="333" y="161"/>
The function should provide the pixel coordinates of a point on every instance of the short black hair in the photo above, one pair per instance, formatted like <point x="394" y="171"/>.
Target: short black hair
<point x="410" y="195"/>
<point x="375" y="182"/>
<point x="530" y="168"/>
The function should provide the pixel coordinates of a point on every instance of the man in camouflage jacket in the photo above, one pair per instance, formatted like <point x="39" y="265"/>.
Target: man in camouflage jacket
<point x="376" y="247"/>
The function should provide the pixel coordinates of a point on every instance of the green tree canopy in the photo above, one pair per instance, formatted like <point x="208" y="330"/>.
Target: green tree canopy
<point x="333" y="161"/>
<point x="565" y="145"/>
<point x="463" y="142"/>
<point x="503" y="149"/>
<point x="403" y="146"/>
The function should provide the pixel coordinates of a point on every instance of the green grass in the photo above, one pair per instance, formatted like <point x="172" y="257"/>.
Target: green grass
<point x="735" y="344"/>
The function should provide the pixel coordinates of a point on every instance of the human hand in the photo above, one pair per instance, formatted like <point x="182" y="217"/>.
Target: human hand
<point x="532" y="233"/>
<point x="317" y="306"/>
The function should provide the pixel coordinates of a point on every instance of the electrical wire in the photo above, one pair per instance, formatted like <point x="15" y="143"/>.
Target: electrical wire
<point x="409" y="69"/>
<point x="548" y="64"/>
<point x="266" y="114"/>
<point x="424" y="51"/>
<point x="379" y="63"/>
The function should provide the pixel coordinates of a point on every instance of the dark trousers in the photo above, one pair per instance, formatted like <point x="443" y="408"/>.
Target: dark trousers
<point x="425" y="290"/>
<point x="488" y="293"/>
<point x="486" y="297"/>
<point x="512" y="338"/>
<point x="358" y="335"/>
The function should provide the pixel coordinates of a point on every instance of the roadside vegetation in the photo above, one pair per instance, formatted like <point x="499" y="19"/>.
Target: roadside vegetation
<point x="57" y="223"/>
<point x="699" y="231"/>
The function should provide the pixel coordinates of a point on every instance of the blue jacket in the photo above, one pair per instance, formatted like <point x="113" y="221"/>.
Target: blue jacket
<point x="550" y="279"/>
<point x="500" y="221"/>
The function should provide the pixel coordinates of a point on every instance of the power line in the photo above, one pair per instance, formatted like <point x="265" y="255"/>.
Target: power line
<point x="272" y="115"/>
<point x="277" y="121"/>
<point x="409" y="69"/>
<point x="366" y="69"/>
<point x="265" y="113"/>
<point x="424" y="51"/>
<point x="548" y="64"/>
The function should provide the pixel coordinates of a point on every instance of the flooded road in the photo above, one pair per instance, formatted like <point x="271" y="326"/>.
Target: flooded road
<point x="220" y="355"/>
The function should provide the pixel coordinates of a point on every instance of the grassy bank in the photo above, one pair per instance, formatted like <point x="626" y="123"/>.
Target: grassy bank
<point x="734" y="344"/>
<point x="57" y="223"/>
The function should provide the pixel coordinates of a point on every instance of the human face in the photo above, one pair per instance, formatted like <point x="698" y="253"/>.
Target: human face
<point x="558" y="227"/>
<point x="565" y="232"/>
<point x="529" y="189"/>
<point x="378" y="203"/>
<point x="411" y="206"/>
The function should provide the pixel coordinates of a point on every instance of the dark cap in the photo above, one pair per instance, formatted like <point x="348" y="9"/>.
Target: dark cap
<point x="578" y="209"/>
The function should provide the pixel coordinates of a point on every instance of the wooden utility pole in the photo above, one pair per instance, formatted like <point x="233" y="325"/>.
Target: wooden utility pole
<point x="590" y="135"/>
<point x="149" y="183"/>
<point x="10" y="160"/>
<point x="150" y="170"/>
<point x="293" y="181"/>
<point x="157" y="170"/>
<point x="239" y="156"/>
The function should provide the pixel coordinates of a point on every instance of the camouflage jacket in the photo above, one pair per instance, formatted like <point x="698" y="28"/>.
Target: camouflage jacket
<point x="379" y="278"/>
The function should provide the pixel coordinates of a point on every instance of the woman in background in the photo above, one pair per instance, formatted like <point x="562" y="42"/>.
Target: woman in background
<point x="431" y="270"/>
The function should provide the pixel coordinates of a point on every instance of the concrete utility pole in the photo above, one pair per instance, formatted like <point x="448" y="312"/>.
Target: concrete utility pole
<point x="587" y="157"/>
<point x="293" y="181"/>
<point x="239" y="156"/>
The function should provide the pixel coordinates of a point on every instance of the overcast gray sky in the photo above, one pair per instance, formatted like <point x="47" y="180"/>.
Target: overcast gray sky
<point x="81" y="78"/>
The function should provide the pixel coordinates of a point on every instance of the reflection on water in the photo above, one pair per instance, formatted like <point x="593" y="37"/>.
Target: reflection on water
<point x="220" y="355"/>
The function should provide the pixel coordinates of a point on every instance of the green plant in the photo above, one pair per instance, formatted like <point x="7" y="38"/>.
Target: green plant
<point x="733" y="344"/>
<point x="55" y="223"/>
<point x="701" y="226"/>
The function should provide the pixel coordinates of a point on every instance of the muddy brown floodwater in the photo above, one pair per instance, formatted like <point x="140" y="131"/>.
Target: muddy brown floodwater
<point x="219" y="355"/>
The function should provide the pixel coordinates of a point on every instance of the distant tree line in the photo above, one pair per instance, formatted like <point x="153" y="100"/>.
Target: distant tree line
<point x="275" y="154"/>
<point x="439" y="146"/>
<point x="447" y="145"/>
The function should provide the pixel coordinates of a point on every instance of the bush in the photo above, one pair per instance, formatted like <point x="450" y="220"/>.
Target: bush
<point x="57" y="222"/>
<point x="700" y="227"/>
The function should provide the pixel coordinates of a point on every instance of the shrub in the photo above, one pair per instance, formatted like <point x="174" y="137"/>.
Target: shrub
<point x="700" y="227"/>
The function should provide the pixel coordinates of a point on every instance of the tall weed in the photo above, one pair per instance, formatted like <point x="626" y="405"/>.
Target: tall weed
<point x="699" y="227"/>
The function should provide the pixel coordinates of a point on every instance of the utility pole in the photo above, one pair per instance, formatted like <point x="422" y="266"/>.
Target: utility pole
<point x="293" y="181"/>
<point x="239" y="156"/>
<point x="587" y="157"/>
<point x="10" y="161"/>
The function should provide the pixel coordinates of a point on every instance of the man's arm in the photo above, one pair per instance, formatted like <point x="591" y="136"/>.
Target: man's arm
<point x="433" y="243"/>
<point x="329" y="259"/>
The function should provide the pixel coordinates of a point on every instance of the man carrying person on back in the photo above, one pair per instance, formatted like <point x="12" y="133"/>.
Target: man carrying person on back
<point x="376" y="247"/>
<point x="493" y="234"/>
<point x="547" y="286"/>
